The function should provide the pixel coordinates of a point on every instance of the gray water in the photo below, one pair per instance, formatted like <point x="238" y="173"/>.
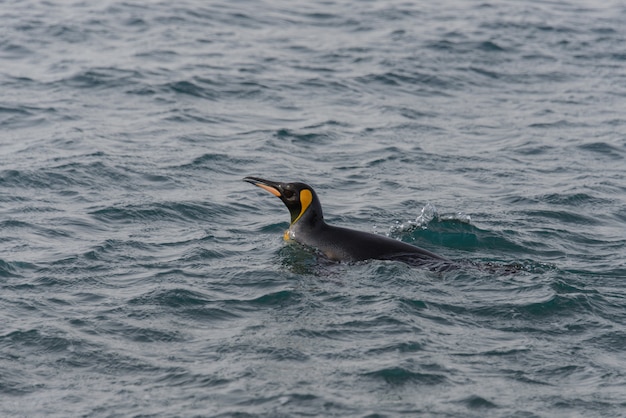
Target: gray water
<point x="139" y="276"/>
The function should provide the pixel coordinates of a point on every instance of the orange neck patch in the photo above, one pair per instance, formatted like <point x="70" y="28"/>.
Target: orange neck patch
<point x="306" y="197"/>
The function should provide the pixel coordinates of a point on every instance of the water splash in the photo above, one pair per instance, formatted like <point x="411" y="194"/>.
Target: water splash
<point x="428" y="214"/>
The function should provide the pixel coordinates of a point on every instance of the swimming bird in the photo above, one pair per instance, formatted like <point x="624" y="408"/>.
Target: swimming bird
<point x="308" y="227"/>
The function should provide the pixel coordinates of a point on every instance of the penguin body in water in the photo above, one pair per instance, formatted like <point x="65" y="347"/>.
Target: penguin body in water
<point x="339" y="244"/>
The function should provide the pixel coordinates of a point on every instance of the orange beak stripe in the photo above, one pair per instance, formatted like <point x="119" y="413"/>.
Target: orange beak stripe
<point x="269" y="189"/>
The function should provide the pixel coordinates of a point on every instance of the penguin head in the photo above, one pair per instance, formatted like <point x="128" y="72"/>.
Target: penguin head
<point x="299" y="198"/>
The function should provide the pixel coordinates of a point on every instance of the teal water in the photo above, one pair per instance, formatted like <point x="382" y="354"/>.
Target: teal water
<point x="139" y="276"/>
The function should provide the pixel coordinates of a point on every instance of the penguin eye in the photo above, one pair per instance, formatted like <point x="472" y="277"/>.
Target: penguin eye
<point x="288" y="193"/>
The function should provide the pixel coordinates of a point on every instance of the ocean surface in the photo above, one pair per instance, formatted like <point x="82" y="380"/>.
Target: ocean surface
<point x="140" y="277"/>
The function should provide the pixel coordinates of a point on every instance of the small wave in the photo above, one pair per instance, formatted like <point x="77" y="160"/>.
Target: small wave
<point x="12" y="50"/>
<point x="34" y="340"/>
<point x="279" y="298"/>
<point x="26" y="117"/>
<point x="477" y="402"/>
<point x="318" y="138"/>
<point x="164" y="211"/>
<point x="421" y="84"/>
<point x="604" y="149"/>
<point x="172" y="298"/>
<point x="192" y="89"/>
<point x="79" y="175"/>
<point x="572" y="199"/>
<point x="464" y="47"/>
<point x="219" y="163"/>
<point x="562" y="216"/>
<point x="397" y="347"/>
<point x="186" y="303"/>
<point x="103" y="78"/>
<point x="7" y="269"/>
<point x="401" y="376"/>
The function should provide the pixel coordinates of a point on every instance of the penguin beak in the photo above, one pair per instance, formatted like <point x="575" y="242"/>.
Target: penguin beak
<point x="271" y="186"/>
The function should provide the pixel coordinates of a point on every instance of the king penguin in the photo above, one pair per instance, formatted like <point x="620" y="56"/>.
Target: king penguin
<point x="308" y="227"/>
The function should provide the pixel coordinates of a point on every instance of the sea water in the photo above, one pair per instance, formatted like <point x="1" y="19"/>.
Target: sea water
<point x="139" y="276"/>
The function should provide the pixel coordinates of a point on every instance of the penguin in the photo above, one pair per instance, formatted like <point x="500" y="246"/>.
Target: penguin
<point x="308" y="227"/>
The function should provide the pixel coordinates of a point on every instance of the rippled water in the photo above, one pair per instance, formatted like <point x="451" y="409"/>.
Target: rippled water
<point x="140" y="276"/>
